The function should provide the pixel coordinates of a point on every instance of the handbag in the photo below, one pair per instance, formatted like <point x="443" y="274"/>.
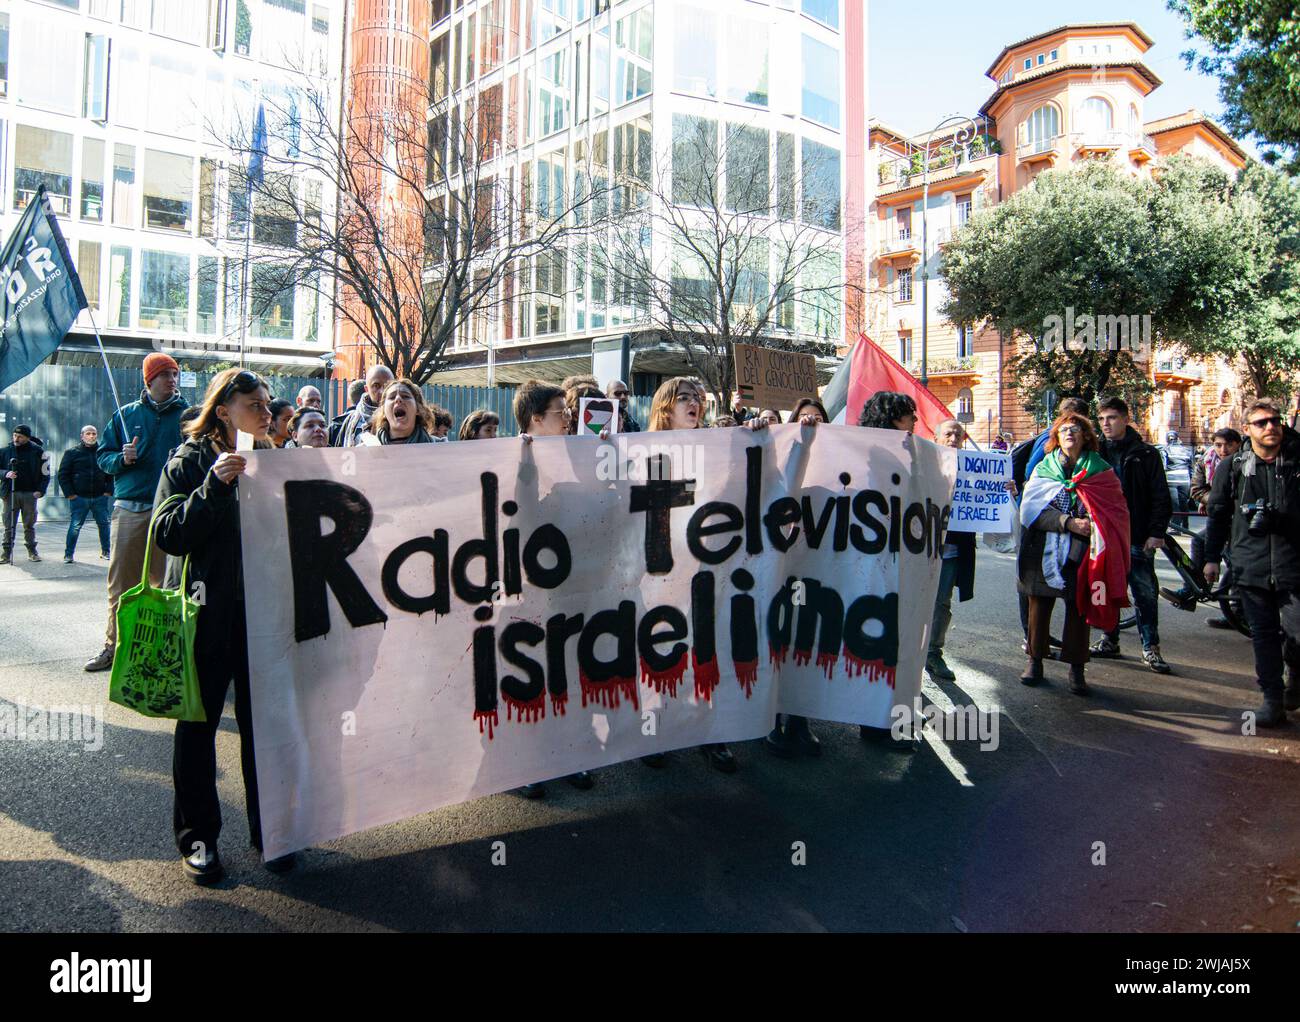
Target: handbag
<point x="153" y="665"/>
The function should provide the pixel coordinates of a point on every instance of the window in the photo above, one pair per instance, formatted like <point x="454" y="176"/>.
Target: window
<point x="185" y="20"/>
<point x="1042" y="128"/>
<point x="94" y="100"/>
<point x="168" y="192"/>
<point x="53" y="48"/>
<point x="747" y="170"/>
<point x="632" y="159"/>
<point x="92" y="179"/>
<point x="123" y="185"/>
<point x="752" y="290"/>
<point x="904" y="346"/>
<point x="821" y="185"/>
<point x="119" y="287"/>
<point x="207" y="199"/>
<point x="272" y="303"/>
<point x="905" y="287"/>
<point x="243" y="28"/>
<point x="1134" y="122"/>
<point x="1042" y="59"/>
<point x="467" y="48"/>
<point x="439" y="59"/>
<point x="550" y="292"/>
<point x="494" y="36"/>
<point x="550" y="187"/>
<point x="237" y="190"/>
<point x="965" y="405"/>
<point x="164" y="291"/>
<point x="695" y="62"/>
<point x="692" y="293"/>
<point x="963" y="209"/>
<point x="553" y="95"/>
<point x="216" y="38"/>
<point x="904" y="220"/>
<point x="207" y="284"/>
<point x="1053" y="55"/>
<point x="1095" y="116"/>
<point x="43" y="157"/>
<point x="1028" y="63"/>
<point x="965" y="342"/>
<point x="821" y="294"/>
<point x="785" y="183"/>
<point x="633" y="42"/>
<point x="821" y="83"/>
<point x="4" y="54"/>
<point x="275" y="220"/>
<point x="553" y="18"/>
<point x="89" y="256"/>
<point x="747" y="61"/>
<point x="825" y="11"/>
<point x="320" y="19"/>
<point x="600" y="72"/>
<point x="489" y="122"/>
<point x="695" y="160"/>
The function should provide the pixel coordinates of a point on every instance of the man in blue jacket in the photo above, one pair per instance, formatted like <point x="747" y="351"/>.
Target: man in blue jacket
<point x="133" y="450"/>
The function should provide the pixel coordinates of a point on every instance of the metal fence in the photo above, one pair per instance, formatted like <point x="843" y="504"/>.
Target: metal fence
<point x="58" y="400"/>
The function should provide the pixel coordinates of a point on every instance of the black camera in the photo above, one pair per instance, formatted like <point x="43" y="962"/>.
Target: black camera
<point x="1263" y="518"/>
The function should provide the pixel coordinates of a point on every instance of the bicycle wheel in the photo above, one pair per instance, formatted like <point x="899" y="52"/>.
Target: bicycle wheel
<point x="1128" y="621"/>
<point x="1233" y="614"/>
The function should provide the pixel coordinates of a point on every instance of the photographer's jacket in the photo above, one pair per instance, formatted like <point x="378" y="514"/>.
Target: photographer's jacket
<point x="1271" y="561"/>
<point x="30" y="464"/>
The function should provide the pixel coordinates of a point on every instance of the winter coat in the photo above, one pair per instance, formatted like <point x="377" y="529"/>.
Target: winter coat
<point x="1273" y="560"/>
<point x="81" y="476"/>
<point x="1029" y="561"/>
<point x="32" y="465"/>
<point x="159" y="430"/>
<point x="1141" y="473"/>
<point x="206" y="527"/>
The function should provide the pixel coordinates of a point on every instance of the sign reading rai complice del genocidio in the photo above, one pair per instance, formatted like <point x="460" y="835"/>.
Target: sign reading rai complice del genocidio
<point x="432" y="623"/>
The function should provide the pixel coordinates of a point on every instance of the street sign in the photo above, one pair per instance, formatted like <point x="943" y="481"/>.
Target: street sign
<point x="189" y="379"/>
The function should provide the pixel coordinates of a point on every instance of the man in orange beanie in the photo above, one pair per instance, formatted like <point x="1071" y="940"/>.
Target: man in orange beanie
<point x="133" y="449"/>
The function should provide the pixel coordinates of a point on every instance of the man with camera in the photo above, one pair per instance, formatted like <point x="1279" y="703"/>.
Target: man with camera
<point x="1255" y="506"/>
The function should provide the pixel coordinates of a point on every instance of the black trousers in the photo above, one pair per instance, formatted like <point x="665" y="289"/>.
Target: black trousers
<point x="196" y="813"/>
<point x="1074" y="637"/>
<point x="1274" y="616"/>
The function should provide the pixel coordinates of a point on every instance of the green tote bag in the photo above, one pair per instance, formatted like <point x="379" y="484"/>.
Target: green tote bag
<point x="153" y="666"/>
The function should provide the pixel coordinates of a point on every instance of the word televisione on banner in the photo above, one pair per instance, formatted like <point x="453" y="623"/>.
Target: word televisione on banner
<point x="980" y="500"/>
<point x="459" y="626"/>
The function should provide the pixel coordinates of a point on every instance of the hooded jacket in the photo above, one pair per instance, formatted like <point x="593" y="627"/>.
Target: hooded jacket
<point x="1271" y="561"/>
<point x="1141" y="473"/>
<point x="159" y="429"/>
<point x="32" y="465"/>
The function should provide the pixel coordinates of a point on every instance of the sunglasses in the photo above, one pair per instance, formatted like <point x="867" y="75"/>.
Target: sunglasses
<point x="245" y="382"/>
<point x="1272" y="420"/>
<point x="620" y="393"/>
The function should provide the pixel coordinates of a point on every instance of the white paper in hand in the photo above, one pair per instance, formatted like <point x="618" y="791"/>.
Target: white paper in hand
<point x="243" y="441"/>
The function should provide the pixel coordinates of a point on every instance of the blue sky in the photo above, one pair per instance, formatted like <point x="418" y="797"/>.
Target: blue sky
<point x="927" y="57"/>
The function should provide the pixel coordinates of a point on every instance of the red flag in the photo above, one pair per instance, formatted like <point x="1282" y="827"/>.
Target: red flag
<point x="872" y="369"/>
<point x="1103" y="573"/>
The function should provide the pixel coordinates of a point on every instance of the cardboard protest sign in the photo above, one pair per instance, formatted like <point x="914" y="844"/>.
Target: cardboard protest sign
<point x="596" y="414"/>
<point x="429" y="624"/>
<point x="980" y="501"/>
<point x="769" y="378"/>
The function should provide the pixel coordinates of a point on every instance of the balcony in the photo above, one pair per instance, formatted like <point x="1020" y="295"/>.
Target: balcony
<point x="1142" y="149"/>
<point x="899" y="245"/>
<point x="1097" y="141"/>
<point x="1177" y="370"/>
<point x="1039" y="150"/>
<point x="945" y="367"/>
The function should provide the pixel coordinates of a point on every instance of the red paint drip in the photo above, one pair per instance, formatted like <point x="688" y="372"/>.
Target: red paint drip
<point x="492" y="721"/>
<point x="826" y="661"/>
<point x="872" y="670"/>
<point x="529" y="712"/>
<point x="777" y="654"/>
<point x="746" y="675"/>
<point x="667" y="679"/>
<point x="706" y="677"/>
<point x="607" y="692"/>
<point x="802" y="657"/>
<point x="558" y="704"/>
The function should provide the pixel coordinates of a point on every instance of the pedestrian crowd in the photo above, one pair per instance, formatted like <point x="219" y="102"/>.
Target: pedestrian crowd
<point x="1094" y="507"/>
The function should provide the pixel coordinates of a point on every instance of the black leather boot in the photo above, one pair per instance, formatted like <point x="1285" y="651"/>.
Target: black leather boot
<point x="1077" y="683"/>
<point x="1033" y="673"/>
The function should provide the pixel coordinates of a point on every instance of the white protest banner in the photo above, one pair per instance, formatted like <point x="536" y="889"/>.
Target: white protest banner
<point x="434" y="623"/>
<point x="980" y="501"/>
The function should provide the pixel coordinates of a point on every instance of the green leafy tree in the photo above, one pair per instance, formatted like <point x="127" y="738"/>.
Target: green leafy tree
<point x="1253" y="48"/>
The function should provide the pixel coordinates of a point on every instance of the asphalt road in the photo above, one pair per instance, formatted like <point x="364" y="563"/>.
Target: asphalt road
<point x="1198" y="822"/>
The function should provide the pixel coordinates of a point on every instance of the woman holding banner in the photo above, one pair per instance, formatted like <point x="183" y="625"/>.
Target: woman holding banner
<point x="679" y="403"/>
<point x="1075" y="546"/>
<point x="205" y="527"/>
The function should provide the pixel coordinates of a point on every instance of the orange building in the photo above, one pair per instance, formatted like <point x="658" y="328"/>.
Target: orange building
<point x="1074" y="93"/>
<point x="387" y="63"/>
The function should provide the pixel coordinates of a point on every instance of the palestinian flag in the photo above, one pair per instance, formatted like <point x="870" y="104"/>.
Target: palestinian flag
<point x="868" y="368"/>
<point x="1103" y="574"/>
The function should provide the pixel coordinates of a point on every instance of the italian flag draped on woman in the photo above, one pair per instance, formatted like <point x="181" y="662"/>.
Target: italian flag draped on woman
<point x="1107" y="560"/>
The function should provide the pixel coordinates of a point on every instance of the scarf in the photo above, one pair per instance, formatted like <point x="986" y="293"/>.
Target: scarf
<point x="358" y="419"/>
<point x="1102" y="580"/>
<point x="420" y="436"/>
<point x="1212" y="460"/>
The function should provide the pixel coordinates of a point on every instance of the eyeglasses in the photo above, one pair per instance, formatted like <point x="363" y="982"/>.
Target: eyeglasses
<point x="245" y="382"/>
<point x="1272" y="420"/>
<point x="1068" y="429"/>
<point x="619" y="393"/>
<point x="688" y="398"/>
